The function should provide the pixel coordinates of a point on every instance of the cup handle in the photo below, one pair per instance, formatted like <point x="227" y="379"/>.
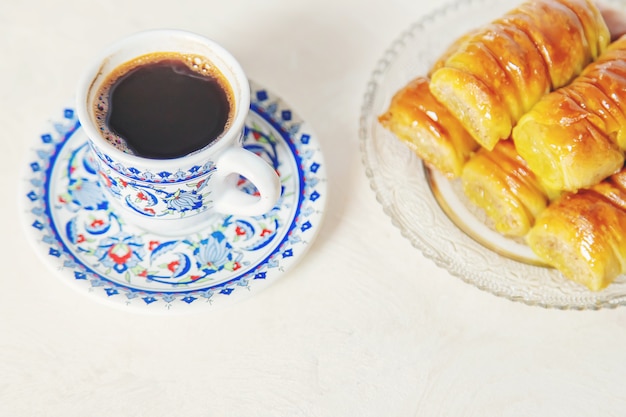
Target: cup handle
<point x="229" y="199"/>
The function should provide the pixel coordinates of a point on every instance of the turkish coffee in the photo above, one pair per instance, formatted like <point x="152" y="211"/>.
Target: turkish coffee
<point x="164" y="105"/>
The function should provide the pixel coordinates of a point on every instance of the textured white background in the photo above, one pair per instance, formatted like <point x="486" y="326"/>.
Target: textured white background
<point x="362" y="326"/>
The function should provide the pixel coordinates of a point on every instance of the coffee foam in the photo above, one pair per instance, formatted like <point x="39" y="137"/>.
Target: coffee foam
<point x="198" y="64"/>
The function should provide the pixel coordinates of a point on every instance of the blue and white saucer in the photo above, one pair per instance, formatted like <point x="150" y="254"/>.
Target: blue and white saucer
<point x="83" y="238"/>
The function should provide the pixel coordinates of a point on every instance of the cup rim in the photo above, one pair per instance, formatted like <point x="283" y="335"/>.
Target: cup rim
<point x="87" y="81"/>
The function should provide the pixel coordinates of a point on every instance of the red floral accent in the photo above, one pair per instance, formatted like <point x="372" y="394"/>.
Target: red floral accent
<point x="107" y="180"/>
<point x="120" y="254"/>
<point x="265" y="232"/>
<point x="142" y="196"/>
<point x="236" y="266"/>
<point x="173" y="265"/>
<point x="153" y="244"/>
<point x="97" y="223"/>
<point x="239" y="231"/>
<point x="80" y="238"/>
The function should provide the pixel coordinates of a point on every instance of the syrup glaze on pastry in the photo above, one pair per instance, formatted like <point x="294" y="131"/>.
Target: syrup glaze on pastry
<point x="499" y="71"/>
<point x="583" y="234"/>
<point x="500" y="182"/>
<point x="428" y="128"/>
<point x="575" y="137"/>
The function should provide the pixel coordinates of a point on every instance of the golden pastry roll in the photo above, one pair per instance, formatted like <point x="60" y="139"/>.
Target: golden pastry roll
<point x="500" y="182"/>
<point x="583" y="234"/>
<point x="457" y="44"/>
<point x="501" y="70"/>
<point x="576" y="136"/>
<point x="428" y="128"/>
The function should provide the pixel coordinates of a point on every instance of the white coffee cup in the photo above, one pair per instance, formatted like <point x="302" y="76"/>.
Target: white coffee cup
<point x="177" y="195"/>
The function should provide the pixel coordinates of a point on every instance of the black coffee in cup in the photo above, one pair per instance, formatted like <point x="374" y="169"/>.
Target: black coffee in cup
<point x="164" y="105"/>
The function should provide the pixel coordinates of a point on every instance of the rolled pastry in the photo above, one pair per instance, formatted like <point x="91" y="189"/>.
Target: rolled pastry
<point x="500" y="182"/>
<point x="576" y="136"/>
<point x="501" y="70"/>
<point x="428" y="128"/>
<point x="583" y="234"/>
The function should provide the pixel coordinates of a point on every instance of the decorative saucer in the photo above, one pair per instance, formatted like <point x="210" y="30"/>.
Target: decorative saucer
<point x="79" y="234"/>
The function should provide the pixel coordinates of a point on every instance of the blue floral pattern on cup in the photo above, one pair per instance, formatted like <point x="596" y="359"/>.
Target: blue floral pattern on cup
<point x="141" y="174"/>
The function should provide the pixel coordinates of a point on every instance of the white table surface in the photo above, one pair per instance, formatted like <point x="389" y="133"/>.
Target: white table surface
<point x="363" y="326"/>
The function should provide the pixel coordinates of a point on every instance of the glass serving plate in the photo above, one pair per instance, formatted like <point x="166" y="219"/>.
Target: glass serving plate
<point x="431" y="211"/>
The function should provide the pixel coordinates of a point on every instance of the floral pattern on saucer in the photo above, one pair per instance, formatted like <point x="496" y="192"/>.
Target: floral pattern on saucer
<point x="81" y="235"/>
